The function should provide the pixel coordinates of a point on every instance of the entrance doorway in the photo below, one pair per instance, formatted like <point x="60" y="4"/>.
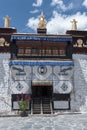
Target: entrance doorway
<point x="42" y="91"/>
<point x="41" y="97"/>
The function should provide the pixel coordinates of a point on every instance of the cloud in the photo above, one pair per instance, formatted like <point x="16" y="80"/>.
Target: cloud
<point x="60" y="5"/>
<point x="33" y="23"/>
<point x="59" y="23"/>
<point x="34" y="11"/>
<point x="85" y="3"/>
<point x="38" y="3"/>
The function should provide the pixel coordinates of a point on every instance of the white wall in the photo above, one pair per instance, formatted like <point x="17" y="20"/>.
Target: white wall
<point x="5" y="94"/>
<point x="79" y="94"/>
<point x="77" y="82"/>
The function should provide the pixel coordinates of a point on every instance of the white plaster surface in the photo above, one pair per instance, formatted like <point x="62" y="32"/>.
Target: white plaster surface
<point x="79" y="94"/>
<point x="5" y="93"/>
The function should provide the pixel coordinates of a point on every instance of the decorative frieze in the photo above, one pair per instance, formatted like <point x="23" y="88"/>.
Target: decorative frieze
<point x="42" y="63"/>
<point x="22" y="37"/>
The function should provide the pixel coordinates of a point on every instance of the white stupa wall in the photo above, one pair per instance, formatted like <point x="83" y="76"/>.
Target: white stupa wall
<point x="79" y="94"/>
<point x="5" y="94"/>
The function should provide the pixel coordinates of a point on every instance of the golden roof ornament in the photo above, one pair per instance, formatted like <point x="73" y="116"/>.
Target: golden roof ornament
<point x="42" y="22"/>
<point x="7" y="22"/>
<point x="74" y="25"/>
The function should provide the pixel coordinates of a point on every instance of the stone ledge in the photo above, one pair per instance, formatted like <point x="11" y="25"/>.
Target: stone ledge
<point x="44" y="115"/>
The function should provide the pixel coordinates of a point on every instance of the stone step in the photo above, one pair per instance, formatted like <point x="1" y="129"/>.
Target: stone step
<point x="41" y="106"/>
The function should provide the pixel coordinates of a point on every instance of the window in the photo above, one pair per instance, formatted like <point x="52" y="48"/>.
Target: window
<point x="40" y="52"/>
<point x="55" y="52"/>
<point x="27" y="52"/>
<point x="43" y="52"/>
<point x="48" y="52"/>
<point x="62" y="52"/>
<point x="35" y="52"/>
<point x="20" y="51"/>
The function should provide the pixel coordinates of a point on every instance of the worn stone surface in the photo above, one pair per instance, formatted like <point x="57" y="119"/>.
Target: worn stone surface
<point x="60" y="122"/>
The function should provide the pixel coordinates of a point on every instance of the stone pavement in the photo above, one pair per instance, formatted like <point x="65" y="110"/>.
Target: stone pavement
<point x="56" y="122"/>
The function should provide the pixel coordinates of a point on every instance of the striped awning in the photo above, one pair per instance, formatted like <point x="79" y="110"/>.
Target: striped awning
<point x="38" y="83"/>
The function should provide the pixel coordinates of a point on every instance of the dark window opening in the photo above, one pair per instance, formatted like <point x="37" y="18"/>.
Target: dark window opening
<point x="41" y="52"/>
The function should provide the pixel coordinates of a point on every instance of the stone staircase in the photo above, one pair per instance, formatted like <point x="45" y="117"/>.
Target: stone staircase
<point x="41" y="106"/>
<point x="36" y="106"/>
<point x="46" y="106"/>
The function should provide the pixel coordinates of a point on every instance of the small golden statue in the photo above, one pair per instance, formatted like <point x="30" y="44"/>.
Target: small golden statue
<point x="74" y="25"/>
<point x="7" y="22"/>
<point x="42" y="23"/>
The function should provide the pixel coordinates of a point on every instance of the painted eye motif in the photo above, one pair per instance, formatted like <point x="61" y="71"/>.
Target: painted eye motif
<point x="42" y="70"/>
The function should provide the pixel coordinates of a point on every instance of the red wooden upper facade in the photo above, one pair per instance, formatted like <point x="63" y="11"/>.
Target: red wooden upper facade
<point x="42" y="45"/>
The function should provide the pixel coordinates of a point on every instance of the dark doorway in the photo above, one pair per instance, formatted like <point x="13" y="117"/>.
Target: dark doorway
<point x="42" y="91"/>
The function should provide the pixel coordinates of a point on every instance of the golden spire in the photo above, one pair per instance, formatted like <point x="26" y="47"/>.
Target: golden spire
<point x="6" y="22"/>
<point x="74" y="25"/>
<point x="42" y="23"/>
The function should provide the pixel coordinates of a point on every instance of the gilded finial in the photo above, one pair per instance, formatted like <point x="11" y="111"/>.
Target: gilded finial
<point x="74" y="25"/>
<point x="42" y="22"/>
<point x="7" y="22"/>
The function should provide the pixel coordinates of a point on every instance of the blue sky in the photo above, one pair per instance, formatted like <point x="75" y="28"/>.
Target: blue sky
<point x="25" y="14"/>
